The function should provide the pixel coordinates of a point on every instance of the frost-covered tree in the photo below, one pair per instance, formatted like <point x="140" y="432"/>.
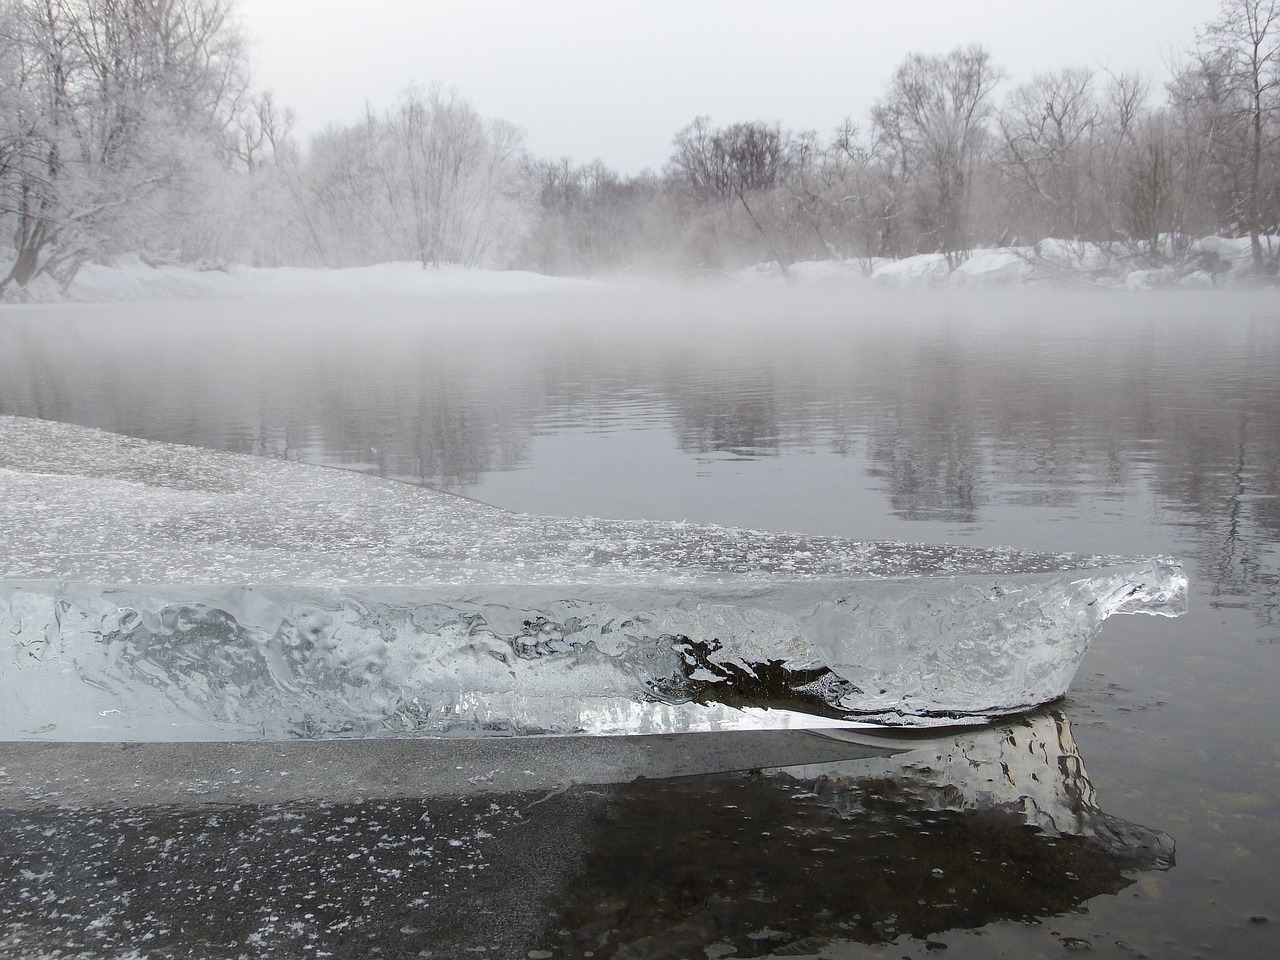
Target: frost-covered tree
<point x="121" y="105"/>
<point x="340" y="196"/>
<point x="431" y="180"/>
<point x="44" y="194"/>
<point x="169" y="79"/>
<point x="459" y="177"/>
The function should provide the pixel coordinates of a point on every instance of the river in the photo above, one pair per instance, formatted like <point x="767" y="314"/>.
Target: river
<point x="1089" y="421"/>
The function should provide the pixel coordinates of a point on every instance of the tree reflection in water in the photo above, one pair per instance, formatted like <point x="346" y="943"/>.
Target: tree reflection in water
<point x="1001" y="824"/>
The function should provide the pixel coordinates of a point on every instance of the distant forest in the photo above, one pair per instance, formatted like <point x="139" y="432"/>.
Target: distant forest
<point x="132" y="127"/>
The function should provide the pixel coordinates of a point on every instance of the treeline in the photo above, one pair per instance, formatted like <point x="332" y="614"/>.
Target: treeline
<point x="131" y="127"/>
<point x="115" y="119"/>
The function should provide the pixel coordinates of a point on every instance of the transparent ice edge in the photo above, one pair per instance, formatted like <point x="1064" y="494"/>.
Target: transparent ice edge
<point x="1029" y="767"/>
<point x="84" y="505"/>
<point x="155" y="591"/>
<point x="84" y="661"/>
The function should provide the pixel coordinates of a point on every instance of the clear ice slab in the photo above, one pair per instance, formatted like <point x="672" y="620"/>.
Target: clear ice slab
<point x="151" y="591"/>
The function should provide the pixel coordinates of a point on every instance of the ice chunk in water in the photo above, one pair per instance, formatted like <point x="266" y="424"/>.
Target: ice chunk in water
<point x="150" y="591"/>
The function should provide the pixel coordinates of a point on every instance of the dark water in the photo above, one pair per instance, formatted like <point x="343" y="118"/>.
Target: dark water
<point x="1101" y="423"/>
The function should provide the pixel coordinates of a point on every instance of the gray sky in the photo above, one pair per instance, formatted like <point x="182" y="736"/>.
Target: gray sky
<point x="599" y="78"/>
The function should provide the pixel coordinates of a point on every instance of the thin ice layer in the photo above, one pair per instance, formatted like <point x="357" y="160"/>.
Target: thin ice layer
<point x="152" y="591"/>
<point x="81" y="504"/>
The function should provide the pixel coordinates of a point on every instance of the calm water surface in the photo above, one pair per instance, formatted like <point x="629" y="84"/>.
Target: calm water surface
<point x="1095" y="423"/>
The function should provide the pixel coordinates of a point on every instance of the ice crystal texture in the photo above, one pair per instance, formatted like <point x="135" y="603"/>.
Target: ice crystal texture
<point x="150" y="591"/>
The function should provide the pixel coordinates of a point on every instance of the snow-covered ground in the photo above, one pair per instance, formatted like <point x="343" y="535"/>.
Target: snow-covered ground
<point x="132" y="280"/>
<point x="1210" y="262"/>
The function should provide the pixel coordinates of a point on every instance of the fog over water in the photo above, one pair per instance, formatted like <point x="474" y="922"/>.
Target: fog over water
<point x="973" y="414"/>
<point x="1089" y="421"/>
<point x="1086" y="421"/>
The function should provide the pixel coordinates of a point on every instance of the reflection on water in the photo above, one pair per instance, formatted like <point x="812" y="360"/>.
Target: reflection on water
<point x="999" y="823"/>
<point x="950" y="414"/>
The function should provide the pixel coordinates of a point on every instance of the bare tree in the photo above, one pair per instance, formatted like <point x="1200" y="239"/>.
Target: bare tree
<point x="896" y="162"/>
<point x="934" y="119"/>
<point x="261" y="132"/>
<point x="1049" y="130"/>
<point x="431" y="180"/>
<point x="1233" y="89"/>
<point x="589" y="219"/>
<point x="843" y="196"/>
<point x="1149" y="204"/>
<point x="456" y="171"/>
<point x="744" y="162"/>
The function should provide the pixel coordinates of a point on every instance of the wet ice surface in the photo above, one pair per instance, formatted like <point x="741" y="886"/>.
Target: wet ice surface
<point x="82" y="504"/>
<point x="1001" y="823"/>
<point x="158" y="592"/>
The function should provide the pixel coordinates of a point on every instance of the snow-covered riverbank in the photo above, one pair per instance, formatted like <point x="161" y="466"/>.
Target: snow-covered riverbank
<point x="133" y="280"/>
<point x="1209" y="262"/>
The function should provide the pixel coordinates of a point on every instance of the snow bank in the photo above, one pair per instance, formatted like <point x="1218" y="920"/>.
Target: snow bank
<point x="924" y="270"/>
<point x="135" y="280"/>
<point x="813" y="271"/>
<point x="1208" y="262"/>
<point x="1235" y="251"/>
<point x="1228" y="248"/>
<point x="1065" y="257"/>
<point x="1203" y="264"/>
<point x="1164" y="278"/>
<point x="992" y="267"/>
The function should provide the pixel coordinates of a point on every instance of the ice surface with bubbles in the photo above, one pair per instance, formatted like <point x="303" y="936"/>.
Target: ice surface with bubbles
<point x="151" y="591"/>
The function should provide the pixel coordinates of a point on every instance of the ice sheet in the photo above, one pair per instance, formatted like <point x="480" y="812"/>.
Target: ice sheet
<point x="155" y="592"/>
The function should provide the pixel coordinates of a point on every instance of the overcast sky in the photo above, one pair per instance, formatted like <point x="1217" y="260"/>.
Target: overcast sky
<point x="600" y="78"/>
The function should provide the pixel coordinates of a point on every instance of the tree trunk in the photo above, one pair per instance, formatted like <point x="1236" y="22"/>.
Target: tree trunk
<point x="1255" y="182"/>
